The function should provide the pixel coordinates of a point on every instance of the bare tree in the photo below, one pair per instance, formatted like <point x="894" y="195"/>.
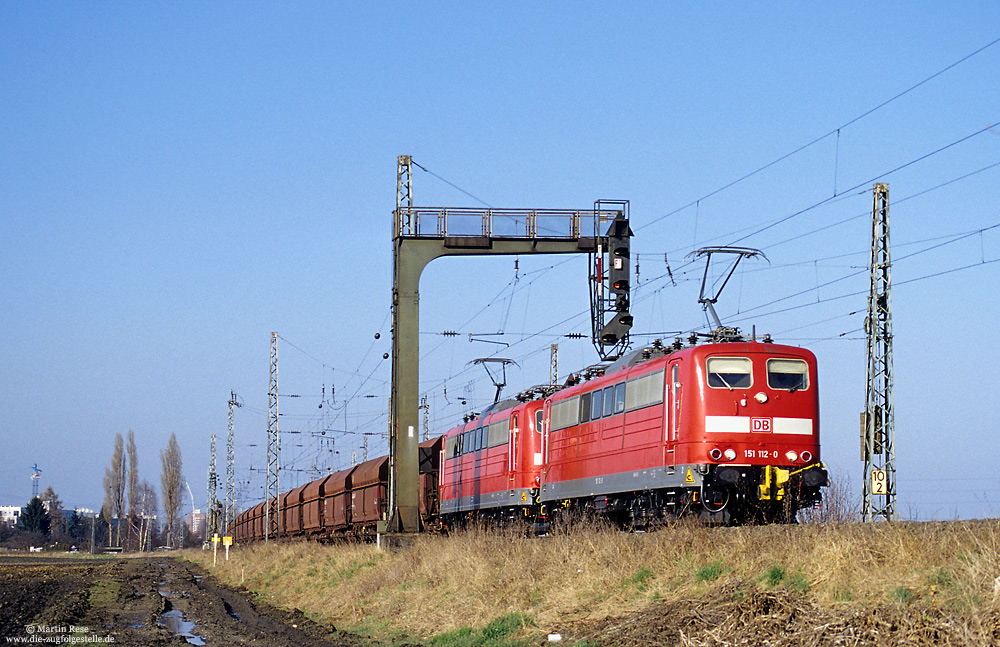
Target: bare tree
<point x="114" y="486"/>
<point x="841" y="504"/>
<point x="147" y="505"/>
<point x="57" y="515"/>
<point x="53" y="505"/>
<point x="107" y="508"/>
<point x="133" y="486"/>
<point x="171" y="484"/>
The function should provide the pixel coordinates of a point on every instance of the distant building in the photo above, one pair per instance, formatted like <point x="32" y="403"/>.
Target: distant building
<point x="10" y="514"/>
<point x="196" y="523"/>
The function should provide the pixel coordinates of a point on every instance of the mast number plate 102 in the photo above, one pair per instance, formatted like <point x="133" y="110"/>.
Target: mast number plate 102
<point x="880" y="482"/>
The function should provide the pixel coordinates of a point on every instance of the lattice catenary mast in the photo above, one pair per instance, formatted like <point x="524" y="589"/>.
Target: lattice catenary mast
<point x="211" y="513"/>
<point x="426" y="408"/>
<point x="878" y="434"/>
<point x="229" y="511"/>
<point x="272" y="525"/>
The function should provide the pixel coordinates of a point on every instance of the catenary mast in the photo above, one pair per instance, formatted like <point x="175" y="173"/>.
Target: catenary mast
<point x="877" y="421"/>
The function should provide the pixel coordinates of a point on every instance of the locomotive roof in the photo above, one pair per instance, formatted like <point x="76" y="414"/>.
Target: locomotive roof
<point x="499" y="406"/>
<point x="657" y="351"/>
<point x="647" y="353"/>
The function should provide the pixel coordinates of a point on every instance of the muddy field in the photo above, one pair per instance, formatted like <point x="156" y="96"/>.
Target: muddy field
<point x="140" y="601"/>
<point x="162" y="600"/>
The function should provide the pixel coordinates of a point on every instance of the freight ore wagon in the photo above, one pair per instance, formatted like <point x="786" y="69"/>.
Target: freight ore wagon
<point x="348" y="503"/>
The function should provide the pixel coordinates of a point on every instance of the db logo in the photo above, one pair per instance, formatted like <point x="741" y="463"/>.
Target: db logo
<point x="760" y="425"/>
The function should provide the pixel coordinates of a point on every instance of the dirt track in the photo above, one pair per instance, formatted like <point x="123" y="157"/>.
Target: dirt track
<point x="141" y="601"/>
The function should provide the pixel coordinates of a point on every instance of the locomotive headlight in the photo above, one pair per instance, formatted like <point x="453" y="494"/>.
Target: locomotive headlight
<point x="715" y="454"/>
<point x="806" y="457"/>
<point x="761" y="397"/>
<point x="730" y="454"/>
<point x="792" y="455"/>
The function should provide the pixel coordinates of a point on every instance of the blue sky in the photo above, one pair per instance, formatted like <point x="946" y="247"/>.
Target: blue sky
<point x="180" y="180"/>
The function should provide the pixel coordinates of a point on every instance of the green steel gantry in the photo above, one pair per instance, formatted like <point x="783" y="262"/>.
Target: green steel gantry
<point x="420" y="235"/>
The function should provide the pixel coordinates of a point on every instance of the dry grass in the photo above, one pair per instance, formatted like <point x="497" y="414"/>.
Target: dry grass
<point x="592" y="581"/>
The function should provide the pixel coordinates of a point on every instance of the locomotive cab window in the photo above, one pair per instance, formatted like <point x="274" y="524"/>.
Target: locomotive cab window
<point x="788" y="374"/>
<point x="452" y="447"/>
<point x="729" y="372"/>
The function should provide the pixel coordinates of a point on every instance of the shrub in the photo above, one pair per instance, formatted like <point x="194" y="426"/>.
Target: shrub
<point x="641" y="578"/>
<point x="774" y="575"/>
<point x="902" y="595"/>
<point x="710" y="571"/>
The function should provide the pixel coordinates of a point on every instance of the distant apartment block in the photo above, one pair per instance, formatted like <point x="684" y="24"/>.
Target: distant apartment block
<point x="10" y="514"/>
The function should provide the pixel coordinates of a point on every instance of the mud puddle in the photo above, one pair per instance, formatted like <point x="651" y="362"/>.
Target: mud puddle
<point x="174" y="621"/>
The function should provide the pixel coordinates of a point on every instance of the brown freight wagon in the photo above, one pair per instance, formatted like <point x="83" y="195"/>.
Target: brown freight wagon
<point x="336" y="503"/>
<point x="368" y="485"/>
<point x="291" y="512"/>
<point x="257" y="520"/>
<point x="312" y="507"/>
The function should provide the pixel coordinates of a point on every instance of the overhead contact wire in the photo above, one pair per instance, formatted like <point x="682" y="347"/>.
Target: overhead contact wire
<point x="822" y="137"/>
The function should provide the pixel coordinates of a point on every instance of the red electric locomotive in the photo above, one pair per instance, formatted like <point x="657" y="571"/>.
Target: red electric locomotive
<point x="730" y="430"/>
<point x="490" y="466"/>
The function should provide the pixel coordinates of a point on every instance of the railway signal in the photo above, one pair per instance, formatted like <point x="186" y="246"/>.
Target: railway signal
<point x="610" y="301"/>
<point x="618" y="273"/>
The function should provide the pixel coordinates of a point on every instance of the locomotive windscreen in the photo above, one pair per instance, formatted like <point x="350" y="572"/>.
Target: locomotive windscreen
<point x="729" y="372"/>
<point x="790" y="374"/>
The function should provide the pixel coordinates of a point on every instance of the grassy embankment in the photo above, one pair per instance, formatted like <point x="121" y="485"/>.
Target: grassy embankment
<point x="905" y="583"/>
